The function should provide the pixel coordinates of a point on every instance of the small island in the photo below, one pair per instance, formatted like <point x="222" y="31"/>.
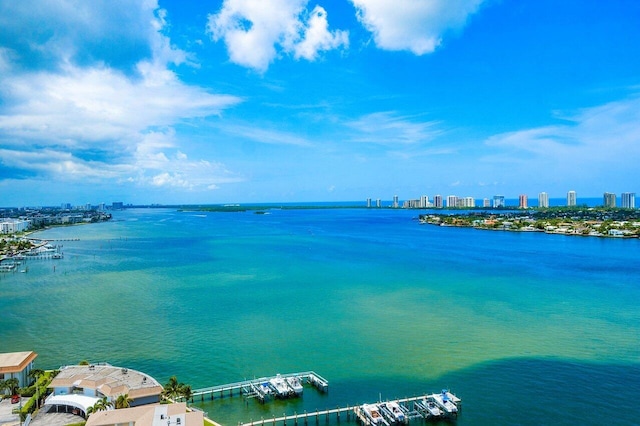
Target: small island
<point x="581" y="221"/>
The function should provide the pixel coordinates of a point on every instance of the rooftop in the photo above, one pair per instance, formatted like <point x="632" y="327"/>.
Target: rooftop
<point x="14" y="362"/>
<point x="108" y="380"/>
<point x="146" y="415"/>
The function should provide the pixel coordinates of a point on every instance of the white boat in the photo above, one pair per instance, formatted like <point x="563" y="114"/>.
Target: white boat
<point x="279" y="384"/>
<point x="372" y="412"/>
<point x="445" y="403"/>
<point x="428" y="409"/>
<point x="295" y="384"/>
<point x="432" y="409"/>
<point x="397" y="415"/>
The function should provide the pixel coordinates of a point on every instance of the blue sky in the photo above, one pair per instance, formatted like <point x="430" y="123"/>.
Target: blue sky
<point x="193" y="101"/>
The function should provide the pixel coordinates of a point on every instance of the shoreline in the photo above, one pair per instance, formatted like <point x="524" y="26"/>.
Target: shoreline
<point x="603" y="223"/>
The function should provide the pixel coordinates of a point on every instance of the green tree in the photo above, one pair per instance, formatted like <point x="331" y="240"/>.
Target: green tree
<point x="101" y="405"/>
<point x="123" y="401"/>
<point x="186" y="392"/>
<point x="174" y="389"/>
<point x="12" y="385"/>
<point x="35" y="374"/>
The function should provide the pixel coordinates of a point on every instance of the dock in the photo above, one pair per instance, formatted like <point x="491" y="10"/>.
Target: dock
<point x="262" y="388"/>
<point x="411" y="408"/>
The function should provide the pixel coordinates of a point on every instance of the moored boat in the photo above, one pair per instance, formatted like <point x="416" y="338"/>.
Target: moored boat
<point x="444" y="402"/>
<point x="295" y="384"/>
<point x="280" y="386"/>
<point x="372" y="412"/>
<point x="393" y="411"/>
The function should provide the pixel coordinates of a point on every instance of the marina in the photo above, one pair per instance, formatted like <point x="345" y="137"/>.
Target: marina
<point x="387" y="413"/>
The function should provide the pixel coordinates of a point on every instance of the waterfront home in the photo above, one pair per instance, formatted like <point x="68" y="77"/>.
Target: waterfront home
<point x="78" y="387"/>
<point x="17" y="365"/>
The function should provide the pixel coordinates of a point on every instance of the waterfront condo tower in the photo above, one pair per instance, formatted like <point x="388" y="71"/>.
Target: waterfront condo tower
<point x="437" y="201"/>
<point x="543" y="200"/>
<point x="572" y="199"/>
<point x="452" y="201"/>
<point x="628" y="200"/>
<point x="498" y="201"/>
<point x="523" y="201"/>
<point x="609" y="199"/>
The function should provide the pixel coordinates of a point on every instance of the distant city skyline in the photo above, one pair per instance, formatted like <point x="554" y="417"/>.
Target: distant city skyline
<point x="226" y="101"/>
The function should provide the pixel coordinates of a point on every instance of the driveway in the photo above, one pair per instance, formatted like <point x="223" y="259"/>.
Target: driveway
<point x="6" y="418"/>
<point x="44" y="418"/>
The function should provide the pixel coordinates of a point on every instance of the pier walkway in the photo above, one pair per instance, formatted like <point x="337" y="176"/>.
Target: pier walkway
<point x="253" y="387"/>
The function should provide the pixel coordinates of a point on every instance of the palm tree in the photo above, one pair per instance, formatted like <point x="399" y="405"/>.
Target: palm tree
<point x="172" y="388"/>
<point x="123" y="401"/>
<point x="12" y="385"/>
<point x="186" y="392"/>
<point x="101" y="405"/>
<point x="3" y="386"/>
<point x="35" y="375"/>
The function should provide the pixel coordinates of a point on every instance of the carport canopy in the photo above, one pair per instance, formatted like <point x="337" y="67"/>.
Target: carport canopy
<point x="81" y="402"/>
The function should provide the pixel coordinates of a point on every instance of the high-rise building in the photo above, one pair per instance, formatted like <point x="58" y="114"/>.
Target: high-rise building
<point x="523" y="201"/>
<point x="486" y="202"/>
<point x="498" y="201"/>
<point x="609" y="199"/>
<point x="628" y="200"/>
<point x="378" y="203"/>
<point x="437" y="201"/>
<point x="543" y="200"/>
<point x="572" y="198"/>
<point x="469" y="202"/>
<point x="452" y="201"/>
<point x="424" y="201"/>
<point x="368" y="203"/>
<point x="395" y="202"/>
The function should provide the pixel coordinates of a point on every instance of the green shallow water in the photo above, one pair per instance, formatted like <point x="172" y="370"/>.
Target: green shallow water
<point x="526" y="328"/>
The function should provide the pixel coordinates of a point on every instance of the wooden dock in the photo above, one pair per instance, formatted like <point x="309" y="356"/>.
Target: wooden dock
<point x="252" y="388"/>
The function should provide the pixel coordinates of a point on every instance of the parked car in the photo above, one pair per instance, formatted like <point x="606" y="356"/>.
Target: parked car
<point x="15" y="399"/>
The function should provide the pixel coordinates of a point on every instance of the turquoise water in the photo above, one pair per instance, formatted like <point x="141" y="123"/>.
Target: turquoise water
<point x="527" y="328"/>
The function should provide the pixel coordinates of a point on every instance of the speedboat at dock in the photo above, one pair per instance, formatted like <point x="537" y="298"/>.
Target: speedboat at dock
<point x="393" y="412"/>
<point x="429" y="409"/>
<point x="280" y="386"/>
<point x="445" y="403"/>
<point x="295" y="384"/>
<point x="372" y="412"/>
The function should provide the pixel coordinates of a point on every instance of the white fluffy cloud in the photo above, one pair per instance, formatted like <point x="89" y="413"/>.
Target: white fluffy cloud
<point x="255" y="31"/>
<point x="81" y="112"/>
<point x="414" y="25"/>
<point x="317" y="36"/>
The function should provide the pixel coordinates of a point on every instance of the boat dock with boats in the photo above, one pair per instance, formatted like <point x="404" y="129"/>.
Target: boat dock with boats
<point x="280" y="386"/>
<point x="387" y="413"/>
